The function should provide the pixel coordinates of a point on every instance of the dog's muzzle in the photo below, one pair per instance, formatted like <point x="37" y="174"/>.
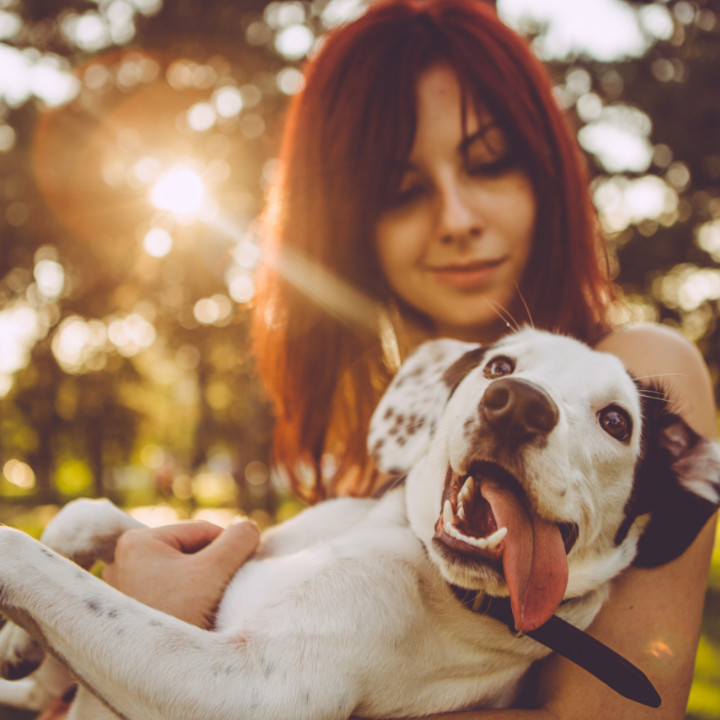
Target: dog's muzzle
<point x="487" y="520"/>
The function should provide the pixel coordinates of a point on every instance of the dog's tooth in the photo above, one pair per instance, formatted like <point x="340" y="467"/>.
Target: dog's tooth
<point x="476" y="542"/>
<point x="496" y="538"/>
<point x="461" y="510"/>
<point x="448" y="516"/>
<point x="468" y="488"/>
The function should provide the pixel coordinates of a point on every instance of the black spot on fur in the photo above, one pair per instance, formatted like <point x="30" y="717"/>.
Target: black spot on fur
<point x="18" y="670"/>
<point x="94" y="606"/>
<point x="459" y="370"/>
<point x="414" y="424"/>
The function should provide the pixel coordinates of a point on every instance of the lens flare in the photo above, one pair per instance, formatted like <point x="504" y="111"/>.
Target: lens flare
<point x="180" y="191"/>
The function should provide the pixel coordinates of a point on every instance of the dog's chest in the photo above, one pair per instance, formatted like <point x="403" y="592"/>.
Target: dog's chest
<point x="370" y="602"/>
<point x="337" y="548"/>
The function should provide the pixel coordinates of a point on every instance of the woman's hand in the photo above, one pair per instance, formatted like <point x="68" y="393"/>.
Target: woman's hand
<point x="181" y="569"/>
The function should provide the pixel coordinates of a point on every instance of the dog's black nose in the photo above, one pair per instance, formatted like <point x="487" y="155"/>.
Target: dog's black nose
<point x="518" y="410"/>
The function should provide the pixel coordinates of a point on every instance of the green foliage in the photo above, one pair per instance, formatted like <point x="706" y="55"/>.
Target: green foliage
<point x="704" y="701"/>
<point x="73" y="478"/>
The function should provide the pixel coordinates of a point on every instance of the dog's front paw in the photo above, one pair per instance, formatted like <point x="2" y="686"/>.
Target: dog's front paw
<point x="19" y="653"/>
<point x="86" y="530"/>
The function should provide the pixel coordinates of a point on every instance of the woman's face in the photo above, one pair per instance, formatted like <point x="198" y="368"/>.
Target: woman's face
<point x="455" y="239"/>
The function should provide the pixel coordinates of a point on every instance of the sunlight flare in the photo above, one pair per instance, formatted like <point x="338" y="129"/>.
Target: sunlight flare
<point x="180" y="191"/>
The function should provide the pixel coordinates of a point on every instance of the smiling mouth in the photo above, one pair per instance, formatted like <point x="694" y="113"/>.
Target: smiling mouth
<point x="470" y="276"/>
<point x="477" y="266"/>
<point x="487" y="521"/>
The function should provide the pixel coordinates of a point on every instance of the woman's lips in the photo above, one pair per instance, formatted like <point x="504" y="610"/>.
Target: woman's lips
<point x="470" y="276"/>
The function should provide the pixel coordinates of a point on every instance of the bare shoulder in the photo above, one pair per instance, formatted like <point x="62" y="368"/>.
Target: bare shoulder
<point x="660" y="354"/>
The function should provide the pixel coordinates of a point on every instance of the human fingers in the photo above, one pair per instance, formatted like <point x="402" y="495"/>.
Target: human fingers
<point x="187" y="537"/>
<point x="140" y="552"/>
<point x="150" y="566"/>
<point x="232" y="547"/>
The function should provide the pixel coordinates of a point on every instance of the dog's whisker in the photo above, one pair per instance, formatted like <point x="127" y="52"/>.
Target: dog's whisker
<point x="505" y="315"/>
<point x="525" y="305"/>
<point x="651" y="392"/>
<point x="660" y="376"/>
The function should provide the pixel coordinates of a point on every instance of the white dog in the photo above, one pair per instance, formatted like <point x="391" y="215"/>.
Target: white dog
<point x="537" y="469"/>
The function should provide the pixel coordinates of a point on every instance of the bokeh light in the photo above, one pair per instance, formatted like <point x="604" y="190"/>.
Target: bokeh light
<point x="158" y="242"/>
<point x="20" y="328"/>
<point x="19" y="474"/>
<point x="50" y="278"/>
<point x="215" y="310"/>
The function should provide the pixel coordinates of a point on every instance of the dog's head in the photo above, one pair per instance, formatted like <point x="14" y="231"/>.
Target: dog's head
<point x="538" y="468"/>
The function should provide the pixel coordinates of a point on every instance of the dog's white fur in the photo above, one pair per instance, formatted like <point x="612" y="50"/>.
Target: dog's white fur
<point x="346" y="609"/>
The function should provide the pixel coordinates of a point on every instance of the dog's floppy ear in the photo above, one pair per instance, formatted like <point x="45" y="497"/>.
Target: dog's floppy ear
<point x="677" y="482"/>
<point x="407" y="415"/>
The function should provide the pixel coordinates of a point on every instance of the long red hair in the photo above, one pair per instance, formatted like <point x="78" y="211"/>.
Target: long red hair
<point x="347" y="132"/>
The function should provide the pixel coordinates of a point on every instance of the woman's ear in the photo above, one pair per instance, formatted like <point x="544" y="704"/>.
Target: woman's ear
<point x="407" y="415"/>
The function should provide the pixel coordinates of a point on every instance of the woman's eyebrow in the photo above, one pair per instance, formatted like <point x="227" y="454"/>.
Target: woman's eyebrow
<point x="406" y="167"/>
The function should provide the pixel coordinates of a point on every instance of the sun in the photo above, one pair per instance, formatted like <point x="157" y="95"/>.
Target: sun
<point x="180" y="191"/>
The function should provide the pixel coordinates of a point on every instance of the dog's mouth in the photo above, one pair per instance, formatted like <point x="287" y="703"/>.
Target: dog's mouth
<point x="487" y="520"/>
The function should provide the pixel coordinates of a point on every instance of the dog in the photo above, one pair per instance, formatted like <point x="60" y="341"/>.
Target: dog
<point x="535" y="469"/>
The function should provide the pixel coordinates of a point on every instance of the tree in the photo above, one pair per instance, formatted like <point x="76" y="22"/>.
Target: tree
<point x="114" y="291"/>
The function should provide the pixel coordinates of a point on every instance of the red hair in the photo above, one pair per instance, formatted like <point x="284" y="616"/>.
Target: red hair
<point x="347" y="133"/>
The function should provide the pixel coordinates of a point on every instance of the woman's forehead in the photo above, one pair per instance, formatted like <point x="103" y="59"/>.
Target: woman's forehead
<point x="445" y="107"/>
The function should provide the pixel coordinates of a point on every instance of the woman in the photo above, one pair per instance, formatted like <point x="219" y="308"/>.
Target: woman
<point x="427" y="166"/>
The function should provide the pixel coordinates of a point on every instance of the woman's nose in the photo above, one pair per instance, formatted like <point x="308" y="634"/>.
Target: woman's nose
<point x="459" y="219"/>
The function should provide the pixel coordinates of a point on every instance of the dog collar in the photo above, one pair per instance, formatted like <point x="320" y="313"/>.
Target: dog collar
<point x="572" y="643"/>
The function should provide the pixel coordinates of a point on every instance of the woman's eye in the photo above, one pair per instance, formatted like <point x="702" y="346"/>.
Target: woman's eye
<point x="498" y="367"/>
<point x="615" y="422"/>
<point x="405" y="196"/>
<point x="491" y="168"/>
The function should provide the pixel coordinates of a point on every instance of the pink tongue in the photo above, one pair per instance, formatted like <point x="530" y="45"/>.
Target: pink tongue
<point x="534" y="559"/>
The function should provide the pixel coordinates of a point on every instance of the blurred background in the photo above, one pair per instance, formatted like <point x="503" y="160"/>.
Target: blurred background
<point x="137" y="138"/>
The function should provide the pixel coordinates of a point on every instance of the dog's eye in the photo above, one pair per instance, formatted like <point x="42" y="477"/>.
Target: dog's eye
<point x="615" y="422"/>
<point x="498" y="367"/>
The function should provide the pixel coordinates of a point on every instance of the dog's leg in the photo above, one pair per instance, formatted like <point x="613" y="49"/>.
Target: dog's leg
<point x="149" y="666"/>
<point x="83" y="531"/>
<point x="87" y="530"/>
